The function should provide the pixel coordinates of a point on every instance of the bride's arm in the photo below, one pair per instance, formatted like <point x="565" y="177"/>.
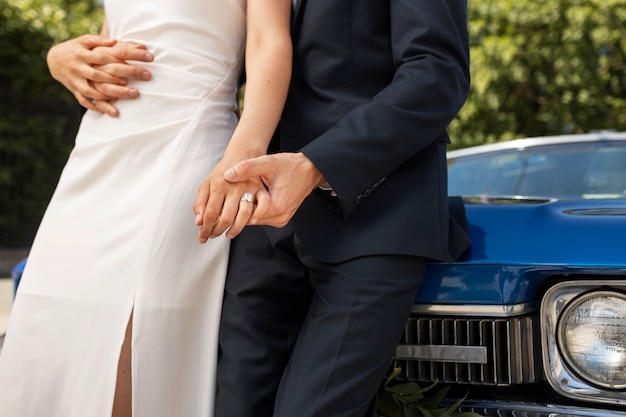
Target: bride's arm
<point x="268" y="72"/>
<point x="95" y="69"/>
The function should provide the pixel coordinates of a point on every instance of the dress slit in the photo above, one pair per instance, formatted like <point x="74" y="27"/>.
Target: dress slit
<point x="122" y="401"/>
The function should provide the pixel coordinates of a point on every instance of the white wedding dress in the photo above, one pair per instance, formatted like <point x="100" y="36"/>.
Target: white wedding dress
<point x="119" y="236"/>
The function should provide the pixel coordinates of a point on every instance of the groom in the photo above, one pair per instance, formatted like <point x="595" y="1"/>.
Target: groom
<point x="315" y="305"/>
<point x="317" y="297"/>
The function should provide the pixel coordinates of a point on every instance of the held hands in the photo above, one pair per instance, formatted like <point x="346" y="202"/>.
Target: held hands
<point x="95" y="69"/>
<point x="289" y="178"/>
<point x="224" y="207"/>
<point x="282" y="183"/>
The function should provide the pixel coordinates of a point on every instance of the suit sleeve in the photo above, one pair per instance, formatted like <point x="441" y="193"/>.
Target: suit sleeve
<point x="430" y="49"/>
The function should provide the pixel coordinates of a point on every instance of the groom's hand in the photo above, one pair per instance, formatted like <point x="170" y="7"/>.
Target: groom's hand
<point x="289" y="178"/>
<point x="95" y="69"/>
<point x="116" y="64"/>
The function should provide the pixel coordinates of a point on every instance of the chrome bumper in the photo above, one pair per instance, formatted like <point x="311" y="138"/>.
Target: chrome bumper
<point x="522" y="409"/>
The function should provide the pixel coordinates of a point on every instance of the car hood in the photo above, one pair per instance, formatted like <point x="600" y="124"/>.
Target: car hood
<point x="518" y="243"/>
<point x="571" y="232"/>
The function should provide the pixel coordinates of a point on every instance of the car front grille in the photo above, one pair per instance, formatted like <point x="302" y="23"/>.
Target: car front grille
<point x="483" y="351"/>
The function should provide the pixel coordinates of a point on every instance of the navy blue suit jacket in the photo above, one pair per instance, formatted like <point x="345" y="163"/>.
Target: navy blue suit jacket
<point x="375" y="85"/>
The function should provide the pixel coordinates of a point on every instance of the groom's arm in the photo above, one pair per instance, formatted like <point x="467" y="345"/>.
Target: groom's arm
<point x="430" y="50"/>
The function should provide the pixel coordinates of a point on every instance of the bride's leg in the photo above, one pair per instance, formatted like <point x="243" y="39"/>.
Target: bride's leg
<point x="123" y="388"/>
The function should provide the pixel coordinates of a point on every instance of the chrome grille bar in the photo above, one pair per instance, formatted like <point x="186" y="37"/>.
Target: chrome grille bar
<point x="494" y="351"/>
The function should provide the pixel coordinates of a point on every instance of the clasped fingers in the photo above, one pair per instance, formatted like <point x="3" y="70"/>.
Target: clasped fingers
<point x="227" y="209"/>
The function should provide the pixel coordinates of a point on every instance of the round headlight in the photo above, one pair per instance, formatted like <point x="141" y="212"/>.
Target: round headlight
<point x="592" y="338"/>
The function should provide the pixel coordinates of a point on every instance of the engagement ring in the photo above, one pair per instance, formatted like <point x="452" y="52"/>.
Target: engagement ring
<point x="247" y="197"/>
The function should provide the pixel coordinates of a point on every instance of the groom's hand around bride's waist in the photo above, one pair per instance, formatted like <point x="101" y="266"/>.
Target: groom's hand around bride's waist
<point x="96" y="70"/>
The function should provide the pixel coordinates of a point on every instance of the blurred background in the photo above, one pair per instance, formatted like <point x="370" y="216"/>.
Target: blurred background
<point x="38" y="117"/>
<point x="538" y="68"/>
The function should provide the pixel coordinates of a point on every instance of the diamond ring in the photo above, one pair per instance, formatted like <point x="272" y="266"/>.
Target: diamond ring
<point x="247" y="197"/>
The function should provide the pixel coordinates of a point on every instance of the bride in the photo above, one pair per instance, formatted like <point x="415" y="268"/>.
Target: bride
<point x="118" y="309"/>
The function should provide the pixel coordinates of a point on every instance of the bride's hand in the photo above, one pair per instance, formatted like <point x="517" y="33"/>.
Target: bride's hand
<point x="221" y="206"/>
<point x="95" y="69"/>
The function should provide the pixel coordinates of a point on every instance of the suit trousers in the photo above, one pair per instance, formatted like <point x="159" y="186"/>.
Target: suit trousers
<point x="304" y="338"/>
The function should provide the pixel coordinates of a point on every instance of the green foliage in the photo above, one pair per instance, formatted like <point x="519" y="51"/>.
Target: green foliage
<point x="540" y="68"/>
<point x="57" y="19"/>
<point x="38" y="116"/>
<point x="408" y="400"/>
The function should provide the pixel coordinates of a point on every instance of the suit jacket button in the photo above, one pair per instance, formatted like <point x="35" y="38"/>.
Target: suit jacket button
<point x="358" y="199"/>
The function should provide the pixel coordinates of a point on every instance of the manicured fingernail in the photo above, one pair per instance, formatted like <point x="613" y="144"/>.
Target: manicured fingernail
<point x="146" y="75"/>
<point x="148" y="56"/>
<point x="230" y="174"/>
<point x="133" y="93"/>
<point x="197" y="219"/>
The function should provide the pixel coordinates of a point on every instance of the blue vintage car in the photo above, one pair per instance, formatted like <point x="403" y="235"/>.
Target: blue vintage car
<point x="16" y="274"/>
<point x="531" y="321"/>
